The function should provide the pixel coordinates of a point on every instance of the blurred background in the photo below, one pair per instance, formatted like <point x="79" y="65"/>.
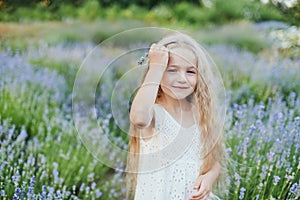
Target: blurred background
<point x="255" y="44"/>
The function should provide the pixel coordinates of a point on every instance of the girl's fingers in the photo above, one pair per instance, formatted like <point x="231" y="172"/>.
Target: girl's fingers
<point x="205" y="196"/>
<point x="201" y="194"/>
<point x="157" y="47"/>
<point x="198" y="183"/>
<point x="158" y="55"/>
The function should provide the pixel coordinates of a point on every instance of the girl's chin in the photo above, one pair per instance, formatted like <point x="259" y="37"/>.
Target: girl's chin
<point x="179" y="97"/>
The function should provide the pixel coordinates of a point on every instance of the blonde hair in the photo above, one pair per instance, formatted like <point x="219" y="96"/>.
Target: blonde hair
<point x="206" y="97"/>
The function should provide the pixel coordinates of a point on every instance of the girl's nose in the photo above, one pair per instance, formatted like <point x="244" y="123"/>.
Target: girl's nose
<point x="181" y="78"/>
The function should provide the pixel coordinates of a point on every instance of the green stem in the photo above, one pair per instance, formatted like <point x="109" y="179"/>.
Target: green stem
<point x="266" y="182"/>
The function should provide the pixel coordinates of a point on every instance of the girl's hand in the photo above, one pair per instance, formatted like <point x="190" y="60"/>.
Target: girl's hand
<point x="203" y="186"/>
<point x="158" y="56"/>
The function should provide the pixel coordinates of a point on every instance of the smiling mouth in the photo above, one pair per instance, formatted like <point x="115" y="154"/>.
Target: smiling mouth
<point x="180" y="87"/>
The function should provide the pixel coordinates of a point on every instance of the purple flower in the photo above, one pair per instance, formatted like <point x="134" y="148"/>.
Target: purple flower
<point x="55" y="175"/>
<point x="82" y="187"/>
<point x="15" y="178"/>
<point x="271" y="157"/>
<point x="58" y="194"/>
<point x="23" y="194"/>
<point x="87" y="189"/>
<point x="98" y="193"/>
<point x="23" y="135"/>
<point x="295" y="189"/>
<point x="15" y="197"/>
<point x="252" y="129"/>
<point x="242" y="193"/>
<point x="17" y="191"/>
<point x="257" y="197"/>
<point x="32" y="181"/>
<point x="276" y="180"/>
<point x="44" y="192"/>
<point x="93" y="186"/>
<point x="237" y="179"/>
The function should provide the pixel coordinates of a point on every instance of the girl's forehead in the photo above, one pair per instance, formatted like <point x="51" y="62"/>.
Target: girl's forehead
<point x="181" y="55"/>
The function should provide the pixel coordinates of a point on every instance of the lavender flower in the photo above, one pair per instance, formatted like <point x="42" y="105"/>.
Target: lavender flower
<point x="276" y="180"/>
<point x="93" y="186"/>
<point x="242" y="193"/>
<point x="98" y="193"/>
<point x="295" y="189"/>
<point x="44" y="192"/>
<point x="237" y="179"/>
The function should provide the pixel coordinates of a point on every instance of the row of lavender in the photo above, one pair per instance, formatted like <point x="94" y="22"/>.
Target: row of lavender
<point x="42" y="158"/>
<point x="41" y="155"/>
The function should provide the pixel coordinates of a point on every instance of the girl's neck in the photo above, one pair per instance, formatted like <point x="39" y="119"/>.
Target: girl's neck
<point x="174" y="105"/>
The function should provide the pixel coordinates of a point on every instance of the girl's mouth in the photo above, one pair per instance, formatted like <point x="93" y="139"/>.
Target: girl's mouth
<point x="181" y="87"/>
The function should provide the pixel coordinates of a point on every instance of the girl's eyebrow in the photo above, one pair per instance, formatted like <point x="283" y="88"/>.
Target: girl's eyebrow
<point x="176" y="66"/>
<point x="188" y="67"/>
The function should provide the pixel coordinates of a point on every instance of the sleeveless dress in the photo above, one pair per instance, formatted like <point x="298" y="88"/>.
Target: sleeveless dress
<point x="170" y="162"/>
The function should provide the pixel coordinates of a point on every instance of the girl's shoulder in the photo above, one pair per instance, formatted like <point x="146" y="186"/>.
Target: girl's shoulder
<point x="157" y="108"/>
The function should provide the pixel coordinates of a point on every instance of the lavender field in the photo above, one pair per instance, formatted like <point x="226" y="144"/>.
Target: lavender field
<point x="43" y="158"/>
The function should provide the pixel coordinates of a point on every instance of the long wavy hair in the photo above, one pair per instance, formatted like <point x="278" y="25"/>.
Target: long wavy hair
<point x="206" y="98"/>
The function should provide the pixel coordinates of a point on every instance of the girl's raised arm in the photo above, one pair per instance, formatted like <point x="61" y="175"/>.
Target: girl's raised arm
<point x="141" y="112"/>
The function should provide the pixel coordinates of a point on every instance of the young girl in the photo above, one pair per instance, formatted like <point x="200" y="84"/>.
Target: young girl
<point x="176" y="128"/>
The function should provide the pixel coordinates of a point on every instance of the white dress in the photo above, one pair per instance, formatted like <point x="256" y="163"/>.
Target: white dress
<point x="170" y="161"/>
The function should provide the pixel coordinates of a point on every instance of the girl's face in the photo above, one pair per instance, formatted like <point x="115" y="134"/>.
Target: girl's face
<point x="180" y="78"/>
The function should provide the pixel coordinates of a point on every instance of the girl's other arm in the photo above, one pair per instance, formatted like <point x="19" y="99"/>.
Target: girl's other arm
<point x="204" y="182"/>
<point x="141" y="112"/>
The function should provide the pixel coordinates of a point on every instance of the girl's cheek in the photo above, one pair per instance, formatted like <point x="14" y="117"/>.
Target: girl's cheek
<point x="192" y="81"/>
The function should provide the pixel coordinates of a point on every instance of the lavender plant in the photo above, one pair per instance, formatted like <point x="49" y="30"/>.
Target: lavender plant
<point x="262" y="144"/>
<point x="42" y="157"/>
<point x="40" y="150"/>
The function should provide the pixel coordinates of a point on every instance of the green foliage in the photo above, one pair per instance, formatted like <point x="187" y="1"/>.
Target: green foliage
<point x="90" y="10"/>
<point x="27" y="107"/>
<point x="67" y="11"/>
<point x="177" y="12"/>
<point x="231" y="10"/>
<point x="190" y="13"/>
<point x="40" y="12"/>
<point x="293" y="14"/>
<point x="268" y="12"/>
<point x="160" y="13"/>
<point x="242" y="9"/>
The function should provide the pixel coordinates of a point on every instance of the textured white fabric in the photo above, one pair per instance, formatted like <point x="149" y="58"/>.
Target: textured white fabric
<point x="173" y="175"/>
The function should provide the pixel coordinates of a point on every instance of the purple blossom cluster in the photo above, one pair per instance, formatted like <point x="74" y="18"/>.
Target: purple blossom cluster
<point x="32" y="165"/>
<point x="26" y="173"/>
<point x="247" y="74"/>
<point x="264" y="147"/>
<point x="16" y="73"/>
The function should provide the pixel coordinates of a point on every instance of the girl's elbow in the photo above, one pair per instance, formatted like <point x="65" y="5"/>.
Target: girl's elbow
<point x="139" y="120"/>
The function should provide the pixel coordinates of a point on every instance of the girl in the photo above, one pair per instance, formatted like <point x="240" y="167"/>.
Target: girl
<point x="176" y="131"/>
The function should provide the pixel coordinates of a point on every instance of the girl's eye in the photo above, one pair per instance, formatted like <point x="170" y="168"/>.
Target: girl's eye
<point x="171" y="70"/>
<point x="191" y="72"/>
